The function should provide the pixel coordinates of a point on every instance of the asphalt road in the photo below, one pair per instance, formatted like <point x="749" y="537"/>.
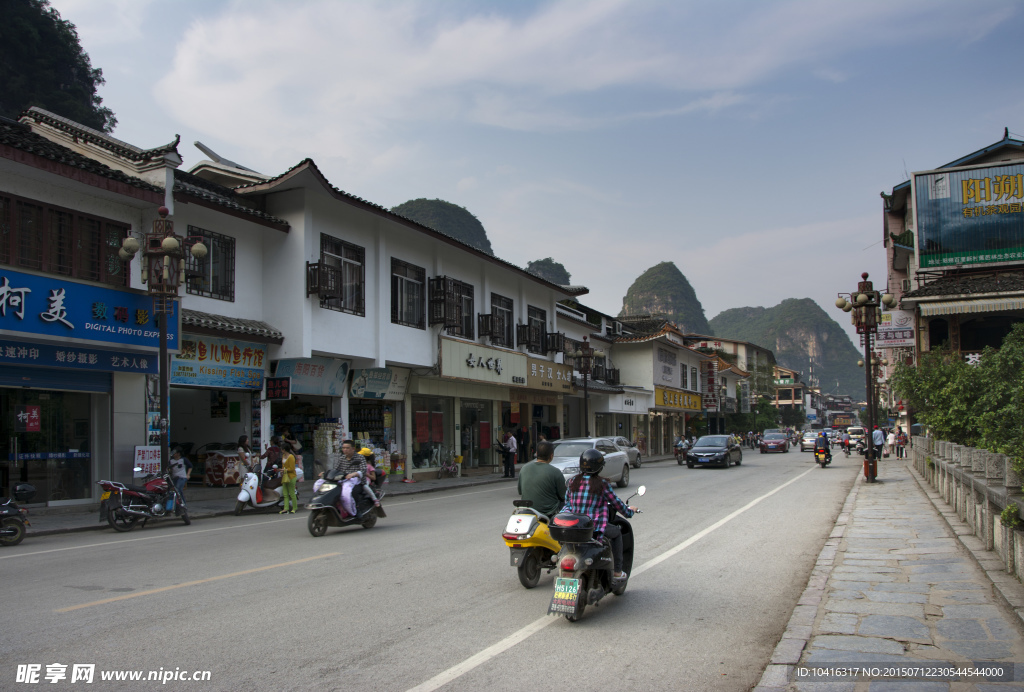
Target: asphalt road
<point x="427" y="599"/>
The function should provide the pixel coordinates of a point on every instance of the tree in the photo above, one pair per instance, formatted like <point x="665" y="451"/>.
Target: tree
<point x="42" y="64"/>
<point x="793" y="417"/>
<point x="549" y="270"/>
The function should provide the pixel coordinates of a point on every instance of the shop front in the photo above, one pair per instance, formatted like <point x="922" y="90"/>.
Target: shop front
<point x="376" y="413"/>
<point x="669" y="414"/>
<point x="534" y="415"/>
<point x="316" y="411"/>
<point x="627" y="416"/>
<point x="73" y="364"/>
<point x="216" y="387"/>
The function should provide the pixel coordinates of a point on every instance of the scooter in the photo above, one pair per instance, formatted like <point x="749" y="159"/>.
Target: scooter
<point x="256" y="495"/>
<point x="585" y="565"/>
<point x="530" y="544"/>
<point x="126" y="507"/>
<point x="822" y="458"/>
<point x="680" y="452"/>
<point x="14" y="519"/>
<point x="325" y="508"/>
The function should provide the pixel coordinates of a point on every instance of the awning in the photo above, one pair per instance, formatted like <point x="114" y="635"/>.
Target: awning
<point x="957" y="307"/>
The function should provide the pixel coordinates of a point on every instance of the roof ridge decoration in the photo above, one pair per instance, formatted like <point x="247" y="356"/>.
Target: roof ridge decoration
<point x="214" y="193"/>
<point x="101" y="139"/>
<point x="308" y="164"/>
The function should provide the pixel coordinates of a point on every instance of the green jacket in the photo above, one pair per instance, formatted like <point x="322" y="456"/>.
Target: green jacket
<point x="544" y="485"/>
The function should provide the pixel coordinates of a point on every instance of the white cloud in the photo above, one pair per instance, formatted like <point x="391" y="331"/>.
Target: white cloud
<point x="104" y="22"/>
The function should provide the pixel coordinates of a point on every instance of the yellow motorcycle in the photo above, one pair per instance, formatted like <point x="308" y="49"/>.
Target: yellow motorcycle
<point x="530" y="543"/>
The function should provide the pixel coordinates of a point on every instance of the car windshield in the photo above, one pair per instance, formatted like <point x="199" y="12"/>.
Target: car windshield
<point x="810" y="435"/>
<point x="855" y="431"/>
<point x="713" y="441"/>
<point x="775" y="436"/>
<point x="572" y="449"/>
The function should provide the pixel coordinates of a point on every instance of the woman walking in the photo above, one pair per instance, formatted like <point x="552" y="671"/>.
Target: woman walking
<point x="288" y="479"/>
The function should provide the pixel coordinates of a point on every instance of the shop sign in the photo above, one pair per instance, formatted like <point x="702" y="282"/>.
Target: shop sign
<point x="279" y="388"/>
<point x="630" y="402"/>
<point x="206" y="361"/>
<point x="147" y="459"/>
<point x="543" y="374"/>
<point x="709" y="381"/>
<point x="468" y="361"/>
<point x="671" y="398"/>
<point x="27" y="419"/>
<point x="317" y="375"/>
<point x="65" y="356"/>
<point x="379" y="383"/>
<point x="896" y="329"/>
<point x="519" y="396"/>
<point x="66" y="311"/>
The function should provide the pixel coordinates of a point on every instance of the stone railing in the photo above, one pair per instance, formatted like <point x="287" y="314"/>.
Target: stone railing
<point x="979" y="484"/>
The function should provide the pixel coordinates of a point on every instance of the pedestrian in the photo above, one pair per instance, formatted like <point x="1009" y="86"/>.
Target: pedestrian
<point x="877" y="440"/>
<point x="288" y="480"/>
<point x="180" y="468"/>
<point x="511" y="448"/>
<point x="272" y="455"/>
<point x="890" y="442"/>
<point x="901" y="443"/>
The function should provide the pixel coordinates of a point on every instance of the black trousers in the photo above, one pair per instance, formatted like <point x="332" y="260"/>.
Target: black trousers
<point x="510" y="467"/>
<point x="614" y="534"/>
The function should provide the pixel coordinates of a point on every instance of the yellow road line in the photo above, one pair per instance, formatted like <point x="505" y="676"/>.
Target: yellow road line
<point x="192" y="583"/>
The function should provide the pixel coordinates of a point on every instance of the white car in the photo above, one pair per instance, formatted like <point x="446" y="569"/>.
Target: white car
<point x="630" y="449"/>
<point x="567" y="458"/>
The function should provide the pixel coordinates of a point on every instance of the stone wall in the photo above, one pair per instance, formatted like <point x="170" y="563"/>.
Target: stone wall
<point x="979" y="484"/>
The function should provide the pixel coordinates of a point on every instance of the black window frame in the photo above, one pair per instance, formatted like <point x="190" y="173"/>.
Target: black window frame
<point x="341" y="257"/>
<point x="220" y="255"/>
<point x="400" y="277"/>
<point x="503" y="321"/>
<point x="450" y="304"/>
<point x="537" y="321"/>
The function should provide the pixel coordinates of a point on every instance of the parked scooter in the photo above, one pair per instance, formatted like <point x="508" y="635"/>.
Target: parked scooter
<point x="258" y="495"/>
<point x="325" y="508"/>
<point x="530" y="544"/>
<point x="585" y="565"/>
<point x="128" y="506"/>
<point x="14" y="519"/>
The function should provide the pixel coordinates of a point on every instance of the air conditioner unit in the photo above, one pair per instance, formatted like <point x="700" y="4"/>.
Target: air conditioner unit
<point x="617" y="328"/>
<point x="905" y="285"/>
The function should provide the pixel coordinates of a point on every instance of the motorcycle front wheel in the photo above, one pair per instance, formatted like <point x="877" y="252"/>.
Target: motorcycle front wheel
<point x="17" y="527"/>
<point x="121" y="522"/>
<point x="239" y="506"/>
<point x="317" y="523"/>
<point x="529" y="570"/>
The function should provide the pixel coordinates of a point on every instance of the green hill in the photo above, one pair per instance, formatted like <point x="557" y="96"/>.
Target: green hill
<point x="549" y="270"/>
<point x="664" y="290"/>
<point x="448" y="218"/>
<point x="800" y="333"/>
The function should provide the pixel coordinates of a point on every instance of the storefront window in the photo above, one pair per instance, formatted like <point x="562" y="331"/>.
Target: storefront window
<point x="432" y="430"/>
<point x="641" y="434"/>
<point x="603" y="424"/>
<point x="48" y="438"/>
<point x="477" y="434"/>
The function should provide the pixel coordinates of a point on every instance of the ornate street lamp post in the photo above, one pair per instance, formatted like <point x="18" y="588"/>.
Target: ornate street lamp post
<point x="865" y="304"/>
<point x="584" y="357"/>
<point x="163" y="271"/>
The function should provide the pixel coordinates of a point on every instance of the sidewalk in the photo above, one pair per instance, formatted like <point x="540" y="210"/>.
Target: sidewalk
<point x="898" y="585"/>
<point x="46" y="523"/>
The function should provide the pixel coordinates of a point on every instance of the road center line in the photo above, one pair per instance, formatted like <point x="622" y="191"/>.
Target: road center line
<point x="150" y="592"/>
<point x="460" y="669"/>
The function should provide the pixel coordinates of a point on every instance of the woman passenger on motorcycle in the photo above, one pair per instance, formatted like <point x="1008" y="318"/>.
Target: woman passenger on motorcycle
<point x="371" y="474"/>
<point x="588" y="493"/>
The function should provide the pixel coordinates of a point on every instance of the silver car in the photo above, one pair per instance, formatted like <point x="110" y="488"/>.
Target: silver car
<point x="630" y="449"/>
<point x="567" y="457"/>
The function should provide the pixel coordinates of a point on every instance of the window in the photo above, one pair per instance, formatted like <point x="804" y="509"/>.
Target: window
<point x="343" y="263"/>
<point x="682" y="377"/>
<point x="451" y="305"/>
<point x="61" y="241"/>
<point x="501" y="329"/>
<point x="694" y="383"/>
<point x="408" y="294"/>
<point x="537" y="322"/>
<point x="212" y="276"/>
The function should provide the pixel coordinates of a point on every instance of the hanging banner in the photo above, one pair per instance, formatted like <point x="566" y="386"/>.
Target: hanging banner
<point x="709" y="375"/>
<point x="745" y="396"/>
<point x="388" y="384"/>
<point x="316" y="375"/>
<point x="206" y="361"/>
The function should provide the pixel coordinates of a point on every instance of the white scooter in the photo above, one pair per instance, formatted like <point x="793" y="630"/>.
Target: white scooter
<point x="256" y="496"/>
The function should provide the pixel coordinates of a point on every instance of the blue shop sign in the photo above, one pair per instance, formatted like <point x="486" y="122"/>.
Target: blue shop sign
<point x="73" y="356"/>
<point x="59" y="309"/>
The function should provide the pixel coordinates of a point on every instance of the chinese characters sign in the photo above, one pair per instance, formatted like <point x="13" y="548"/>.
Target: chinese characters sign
<point x="316" y="375"/>
<point x="70" y="356"/>
<point x="147" y="459"/>
<point x="709" y="375"/>
<point x="205" y="361"/>
<point x="379" y="383"/>
<point x="279" y="388"/>
<point x="470" y="361"/>
<point x="26" y="418"/>
<point x="543" y="374"/>
<point x="970" y="216"/>
<point x="62" y="310"/>
<point x="896" y="329"/>
<point x="670" y="398"/>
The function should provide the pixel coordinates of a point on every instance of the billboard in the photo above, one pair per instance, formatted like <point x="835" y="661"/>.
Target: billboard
<point x="970" y="216"/>
<point x="896" y="329"/>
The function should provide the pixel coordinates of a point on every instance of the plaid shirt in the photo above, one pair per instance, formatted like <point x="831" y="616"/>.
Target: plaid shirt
<point x="595" y="506"/>
<point x="346" y="466"/>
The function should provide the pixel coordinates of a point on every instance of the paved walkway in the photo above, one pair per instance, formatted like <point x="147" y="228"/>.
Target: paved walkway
<point x="896" y="586"/>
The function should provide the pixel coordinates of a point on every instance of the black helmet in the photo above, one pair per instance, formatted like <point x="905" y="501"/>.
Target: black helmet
<point x="591" y="461"/>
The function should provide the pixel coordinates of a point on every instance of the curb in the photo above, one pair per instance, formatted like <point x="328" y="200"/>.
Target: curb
<point x="779" y="672"/>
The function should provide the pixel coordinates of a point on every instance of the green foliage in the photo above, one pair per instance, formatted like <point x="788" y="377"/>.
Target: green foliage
<point x="42" y="64"/>
<point x="663" y="289"/>
<point x="793" y="417"/>
<point x="1010" y="516"/>
<point x="789" y="329"/>
<point x="976" y="405"/>
<point x="447" y="218"/>
<point x="549" y="270"/>
<point x="762" y="415"/>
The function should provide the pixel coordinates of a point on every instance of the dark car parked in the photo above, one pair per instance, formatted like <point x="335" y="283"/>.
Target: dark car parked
<point x="717" y="450"/>
<point x="774" y="442"/>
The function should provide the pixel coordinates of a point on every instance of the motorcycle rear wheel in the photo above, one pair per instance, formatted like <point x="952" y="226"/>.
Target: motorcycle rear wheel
<point x="370" y="521"/>
<point x="581" y="602"/>
<point x="529" y="570"/>
<point x="11" y="523"/>
<point x="121" y="522"/>
<point x="317" y="523"/>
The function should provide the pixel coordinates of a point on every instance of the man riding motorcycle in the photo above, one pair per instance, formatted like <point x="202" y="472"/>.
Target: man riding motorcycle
<point x="821" y="444"/>
<point x="541" y="483"/>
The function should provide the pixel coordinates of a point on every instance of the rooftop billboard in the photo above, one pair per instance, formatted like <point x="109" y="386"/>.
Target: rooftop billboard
<point x="970" y="216"/>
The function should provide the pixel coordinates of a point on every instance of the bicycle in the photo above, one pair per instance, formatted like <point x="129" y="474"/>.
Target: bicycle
<point x="448" y="467"/>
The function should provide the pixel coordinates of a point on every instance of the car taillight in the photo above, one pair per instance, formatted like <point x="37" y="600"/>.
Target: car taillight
<point x="569" y="563"/>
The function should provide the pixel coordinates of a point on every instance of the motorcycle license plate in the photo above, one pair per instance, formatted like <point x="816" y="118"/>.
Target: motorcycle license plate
<point x="566" y="597"/>
<point x="105" y="496"/>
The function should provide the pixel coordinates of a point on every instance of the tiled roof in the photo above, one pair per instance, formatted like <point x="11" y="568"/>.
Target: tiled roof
<point x="595" y="386"/>
<point x="101" y="139"/>
<point x="232" y="325"/>
<point x="970" y="285"/>
<point x="645" y="324"/>
<point x="20" y="136"/>
<point x="211" y="192"/>
<point x="309" y="164"/>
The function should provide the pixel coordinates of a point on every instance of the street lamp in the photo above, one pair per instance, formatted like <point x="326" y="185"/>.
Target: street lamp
<point x="584" y="360"/>
<point x="163" y="271"/>
<point x="866" y="305"/>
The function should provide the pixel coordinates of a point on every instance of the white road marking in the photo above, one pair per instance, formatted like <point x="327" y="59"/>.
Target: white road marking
<point x="460" y="669"/>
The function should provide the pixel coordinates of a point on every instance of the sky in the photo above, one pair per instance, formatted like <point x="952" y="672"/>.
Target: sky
<point x="745" y="141"/>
